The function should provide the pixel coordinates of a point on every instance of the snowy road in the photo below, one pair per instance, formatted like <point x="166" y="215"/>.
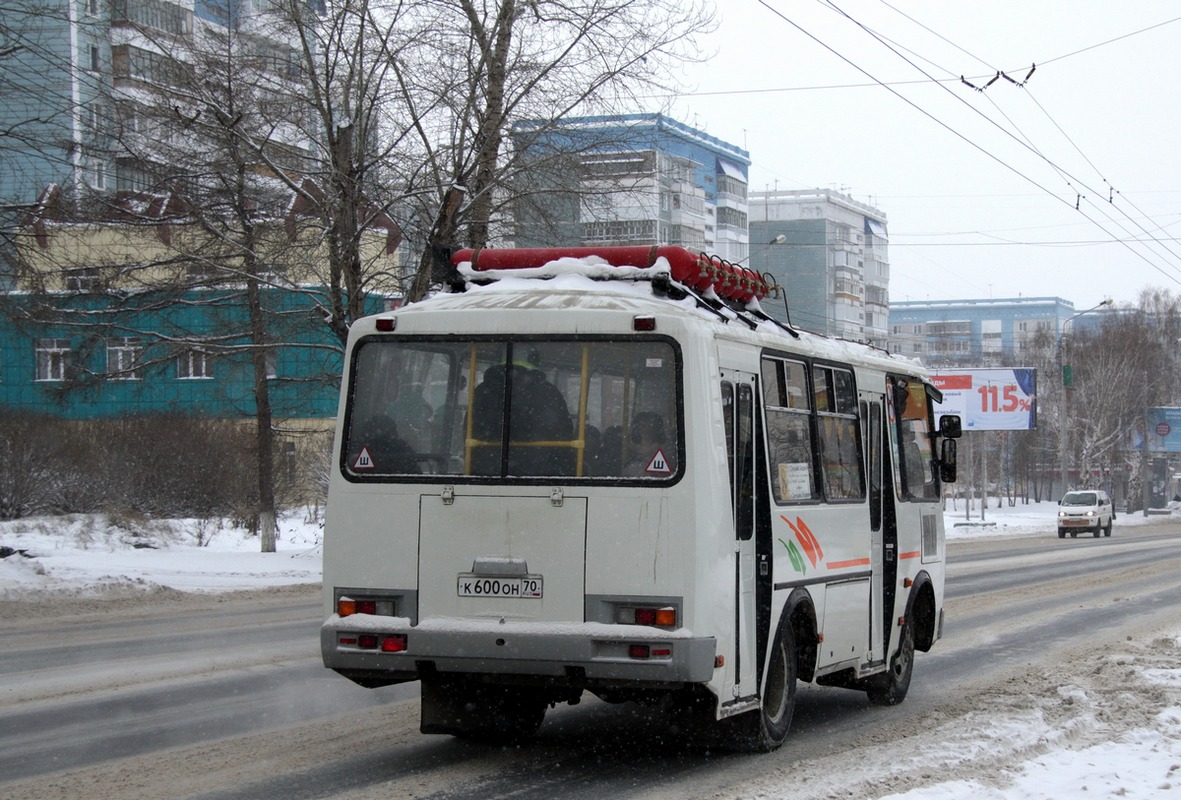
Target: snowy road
<point x="223" y="697"/>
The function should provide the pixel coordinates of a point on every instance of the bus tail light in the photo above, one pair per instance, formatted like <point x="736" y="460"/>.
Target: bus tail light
<point x="644" y="651"/>
<point x="347" y="606"/>
<point x="661" y="617"/>
<point x="385" y="642"/>
<point x="393" y="644"/>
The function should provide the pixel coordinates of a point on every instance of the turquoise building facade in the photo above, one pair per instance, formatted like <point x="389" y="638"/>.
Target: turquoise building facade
<point x="90" y="357"/>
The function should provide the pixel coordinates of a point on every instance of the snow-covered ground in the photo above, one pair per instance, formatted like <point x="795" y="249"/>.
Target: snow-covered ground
<point x="95" y="555"/>
<point x="89" y="554"/>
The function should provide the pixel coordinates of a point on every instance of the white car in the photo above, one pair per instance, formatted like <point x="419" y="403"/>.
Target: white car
<point x="1085" y="510"/>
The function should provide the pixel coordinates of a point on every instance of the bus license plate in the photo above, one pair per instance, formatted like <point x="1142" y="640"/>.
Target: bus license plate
<point x="525" y="586"/>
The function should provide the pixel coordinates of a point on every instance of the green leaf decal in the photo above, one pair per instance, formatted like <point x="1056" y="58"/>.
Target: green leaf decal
<point x="797" y="559"/>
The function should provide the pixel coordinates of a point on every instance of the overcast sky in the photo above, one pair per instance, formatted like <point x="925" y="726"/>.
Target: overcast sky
<point x="980" y="187"/>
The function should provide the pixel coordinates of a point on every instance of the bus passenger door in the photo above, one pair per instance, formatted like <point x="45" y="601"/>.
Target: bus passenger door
<point x="873" y="435"/>
<point x="739" y="393"/>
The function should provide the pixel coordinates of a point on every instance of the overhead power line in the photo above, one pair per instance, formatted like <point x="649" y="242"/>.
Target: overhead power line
<point x="1163" y="270"/>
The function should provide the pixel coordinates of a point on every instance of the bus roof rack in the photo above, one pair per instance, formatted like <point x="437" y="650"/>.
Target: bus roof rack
<point x="702" y="276"/>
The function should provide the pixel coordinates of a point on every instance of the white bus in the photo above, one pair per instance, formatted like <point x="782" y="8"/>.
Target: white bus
<point x="608" y="470"/>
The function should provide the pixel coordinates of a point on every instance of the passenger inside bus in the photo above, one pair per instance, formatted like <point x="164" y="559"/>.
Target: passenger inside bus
<point x="648" y="446"/>
<point x="377" y="447"/>
<point x="537" y="413"/>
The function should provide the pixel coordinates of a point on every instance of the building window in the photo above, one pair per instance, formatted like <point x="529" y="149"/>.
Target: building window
<point x="52" y="356"/>
<point x="158" y="14"/>
<point x="194" y="364"/>
<point x="84" y="279"/>
<point x="619" y="231"/>
<point x="123" y="357"/>
<point x="732" y="217"/>
<point x="98" y="176"/>
<point x="201" y="272"/>
<point x="151" y="67"/>
<point x="94" y="118"/>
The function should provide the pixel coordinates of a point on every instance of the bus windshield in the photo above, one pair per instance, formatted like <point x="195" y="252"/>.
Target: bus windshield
<point x="590" y="408"/>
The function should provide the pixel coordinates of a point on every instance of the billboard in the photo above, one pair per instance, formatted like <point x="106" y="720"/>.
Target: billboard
<point x="989" y="399"/>
<point x="1161" y="429"/>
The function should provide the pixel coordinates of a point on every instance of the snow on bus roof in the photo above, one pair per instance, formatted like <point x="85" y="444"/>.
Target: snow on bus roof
<point x="592" y="267"/>
<point x="595" y="274"/>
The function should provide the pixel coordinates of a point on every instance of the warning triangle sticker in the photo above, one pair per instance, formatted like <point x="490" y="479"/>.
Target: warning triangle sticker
<point x="364" y="460"/>
<point x="658" y="465"/>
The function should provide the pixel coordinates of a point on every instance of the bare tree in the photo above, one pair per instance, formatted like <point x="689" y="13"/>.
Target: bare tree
<point x="466" y="70"/>
<point x="215" y="153"/>
<point x="1121" y="370"/>
<point x="343" y="110"/>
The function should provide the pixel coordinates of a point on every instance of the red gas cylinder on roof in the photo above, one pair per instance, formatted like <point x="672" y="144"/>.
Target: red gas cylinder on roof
<point x="695" y="270"/>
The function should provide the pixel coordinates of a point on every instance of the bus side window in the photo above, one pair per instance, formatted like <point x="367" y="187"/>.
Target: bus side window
<point x="789" y="430"/>
<point x="837" y="419"/>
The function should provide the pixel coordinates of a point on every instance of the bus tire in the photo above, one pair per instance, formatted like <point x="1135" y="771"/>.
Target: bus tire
<point x="890" y="688"/>
<point x="764" y="730"/>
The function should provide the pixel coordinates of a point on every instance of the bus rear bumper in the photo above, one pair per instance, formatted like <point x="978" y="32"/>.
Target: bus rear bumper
<point x="377" y="651"/>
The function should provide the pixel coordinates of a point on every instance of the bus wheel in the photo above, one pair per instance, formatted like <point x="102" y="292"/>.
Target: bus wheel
<point x="890" y="688"/>
<point x="764" y="730"/>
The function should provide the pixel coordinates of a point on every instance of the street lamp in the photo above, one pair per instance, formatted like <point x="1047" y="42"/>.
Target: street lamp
<point x="780" y="239"/>
<point x="1063" y="423"/>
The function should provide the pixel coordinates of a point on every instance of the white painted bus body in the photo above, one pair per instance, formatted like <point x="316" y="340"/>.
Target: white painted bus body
<point x="601" y="547"/>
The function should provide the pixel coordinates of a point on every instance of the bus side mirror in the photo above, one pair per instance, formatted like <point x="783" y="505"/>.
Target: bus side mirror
<point x="950" y="426"/>
<point x="947" y="458"/>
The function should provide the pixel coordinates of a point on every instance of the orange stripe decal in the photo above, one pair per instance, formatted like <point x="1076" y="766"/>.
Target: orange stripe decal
<point x="806" y="531"/>
<point x="854" y="562"/>
<point x="805" y="538"/>
<point x="911" y="554"/>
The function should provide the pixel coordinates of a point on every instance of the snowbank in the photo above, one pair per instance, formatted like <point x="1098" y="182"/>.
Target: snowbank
<point x="84" y="555"/>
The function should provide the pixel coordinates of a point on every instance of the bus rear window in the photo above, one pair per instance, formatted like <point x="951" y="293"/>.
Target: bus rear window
<point x="593" y="409"/>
